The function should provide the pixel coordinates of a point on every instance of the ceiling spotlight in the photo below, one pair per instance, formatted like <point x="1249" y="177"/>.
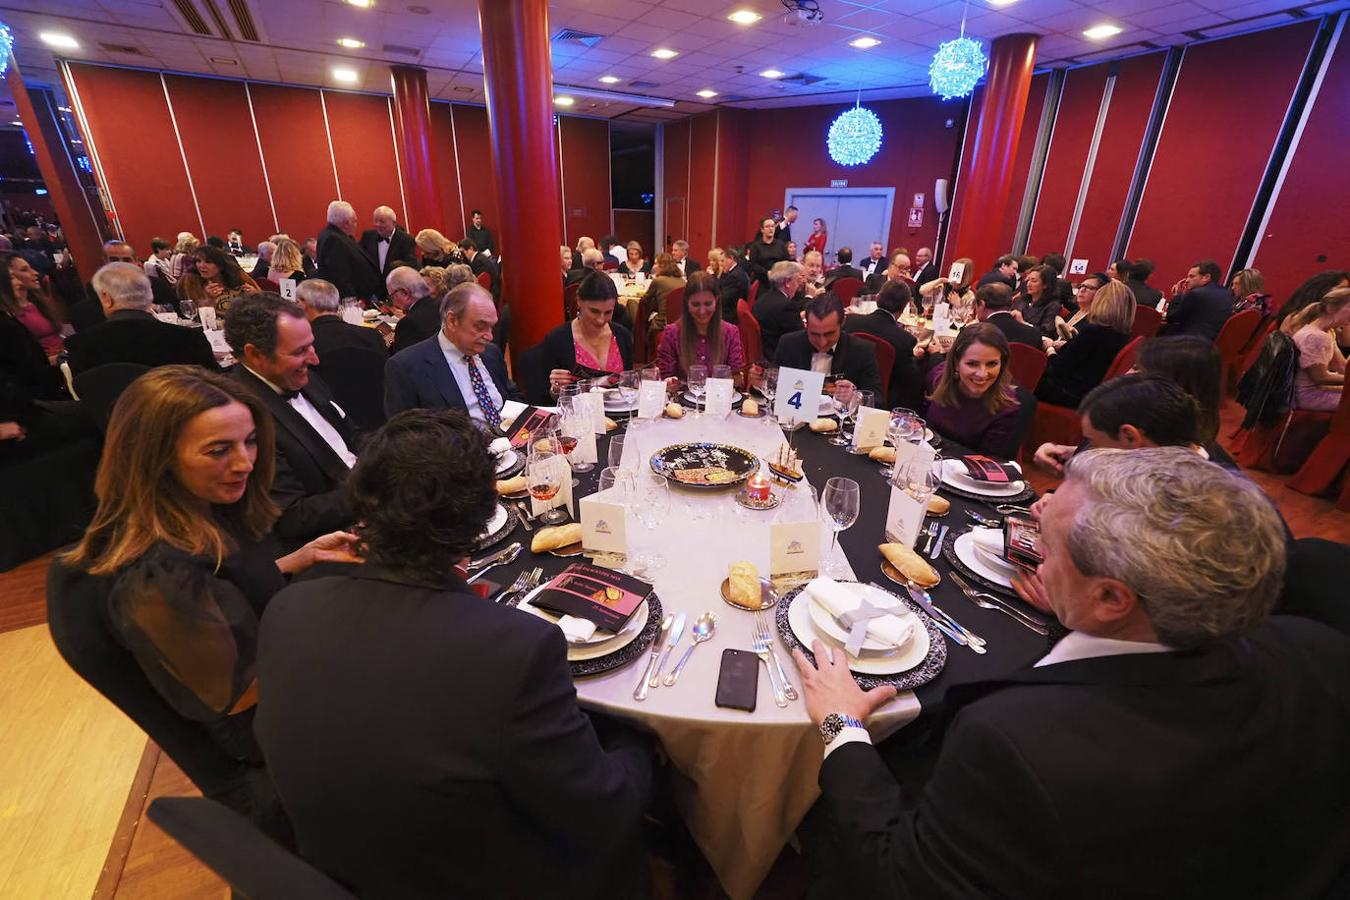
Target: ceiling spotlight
<point x="745" y="17"/>
<point x="364" y="4"/>
<point x="64" y="108"/>
<point x="351" y="43"/>
<point x="864" y="43"/>
<point x="345" y="75"/>
<point x="564" y="101"/>
<point x="1002" y="2"/>
<point x="707" y="94"/>
<point x="610" y="79"/>
<point x="59" y="41"/>
<point x="1102" y="32"/>
<point x="771" y="73"/>
<point x="17" y="122"/>
<point x="665" y="53"/>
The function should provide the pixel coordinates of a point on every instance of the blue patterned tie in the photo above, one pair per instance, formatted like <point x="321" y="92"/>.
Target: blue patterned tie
<point x="490" y="412"/>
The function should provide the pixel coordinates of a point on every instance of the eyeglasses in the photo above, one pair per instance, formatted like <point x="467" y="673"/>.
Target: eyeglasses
<point x="1087" y="287"/>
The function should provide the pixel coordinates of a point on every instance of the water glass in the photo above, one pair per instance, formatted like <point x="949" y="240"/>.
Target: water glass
<point x="621" y="481"/>
<point x="843" y="395"/>
<point x="840" y="503"/>
<point x="574" y="427"/>
<point x="651" y="502"/>
<point x="919" y="477"/>
<point x="698" y="386"/>
<point x="615" y="457"/>
<point x="187" y="309"/>
<point x="857" y="402"/>
<point x="628" y="386"/>
<point x="770" y="386"/>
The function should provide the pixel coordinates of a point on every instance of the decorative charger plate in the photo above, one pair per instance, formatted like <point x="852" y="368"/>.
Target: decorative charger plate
<point x="626" y="653"/>
<point x="979" y="580"/>
<point x="505" y="521"/>
<point x="510" y="463"/>
<point x="704" y="464"/>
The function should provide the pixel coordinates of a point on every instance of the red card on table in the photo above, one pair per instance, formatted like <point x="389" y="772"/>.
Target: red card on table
<point x="603" y="596"/>
<point x="985" y="468"/>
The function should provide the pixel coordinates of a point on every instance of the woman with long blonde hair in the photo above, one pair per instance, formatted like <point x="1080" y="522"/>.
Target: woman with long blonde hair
<point x="287" y="260"/>
<point x="436" y="249"/>
<point x="1321" y="365"/>
<point x="1081" y="364"/>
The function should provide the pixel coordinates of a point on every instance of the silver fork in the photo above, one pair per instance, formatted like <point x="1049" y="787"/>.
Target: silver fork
<point x="762" y="625"/>
<point x="516" y="585"/>
<point x="536" y="577"/>
<point x="931" y="533"/>
<point x="760" y="644"/>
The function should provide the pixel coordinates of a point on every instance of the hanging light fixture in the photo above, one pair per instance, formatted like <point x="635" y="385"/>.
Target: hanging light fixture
<point x="957" y="65"/>
<point x="6" y="45"/>
<point x="854" y="136"/>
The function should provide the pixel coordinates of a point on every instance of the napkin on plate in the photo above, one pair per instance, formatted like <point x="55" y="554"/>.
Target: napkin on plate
<point x="984" y="468"/>
<point x="499" y="446"/>
<point x="576" y="629"/>
<point x="990" y="540"/>
<point x="838" y="599"/>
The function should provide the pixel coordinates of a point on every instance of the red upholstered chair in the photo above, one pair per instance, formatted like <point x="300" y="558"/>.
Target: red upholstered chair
<point x="1061" y="425"/>
<point x="846" y="289"/>
<point x="752" y="341"/>
<point x="485" y="280"/>
<point x="885" y="359"/>
<point x="1027" y="365"/>
<point x="1247" y="357"/>
<point x="1147" y="322"/>
<point x="674" y="305"/>
<point x="1124" y="360"/>
<point x="754" y="289"/>
<point x="1233" y="337"/>
<point x="570" y="300"/>
<point x="609" y="265"/>
<point x="1329" y="458"/>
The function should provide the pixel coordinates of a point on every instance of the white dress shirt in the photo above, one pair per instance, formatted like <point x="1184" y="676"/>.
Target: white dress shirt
<point x="383" y="250"/>
<point x="823" y="362"/>
<point x="459" y="367"/>
<point x="300" y="403"/>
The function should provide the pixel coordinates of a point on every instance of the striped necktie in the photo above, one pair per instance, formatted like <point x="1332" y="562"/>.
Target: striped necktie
<point x="490" y="412"/>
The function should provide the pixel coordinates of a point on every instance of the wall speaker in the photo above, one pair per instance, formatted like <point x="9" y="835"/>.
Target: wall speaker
<point x="940" y="196"/>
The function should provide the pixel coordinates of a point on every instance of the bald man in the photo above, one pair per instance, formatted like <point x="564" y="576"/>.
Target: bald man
<point x="388" y="243"/>
<point x="89" y="312"/>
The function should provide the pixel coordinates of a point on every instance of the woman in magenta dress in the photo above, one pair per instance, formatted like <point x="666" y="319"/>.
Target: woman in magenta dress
<point x="700" y="337"/>
<point x="21" y="296"/>
<point x="591" y="343"/>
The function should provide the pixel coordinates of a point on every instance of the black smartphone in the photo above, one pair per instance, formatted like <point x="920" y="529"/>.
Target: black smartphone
<point x="738" y="680"/>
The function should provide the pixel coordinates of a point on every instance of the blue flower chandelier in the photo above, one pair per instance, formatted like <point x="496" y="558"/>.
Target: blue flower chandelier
<point x="957" y="65"/>
<point x="855" y="136"/>
<point x="6" y="44"/>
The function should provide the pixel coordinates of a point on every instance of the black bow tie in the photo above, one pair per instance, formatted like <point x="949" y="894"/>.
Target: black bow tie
<point x="288" y="396"/>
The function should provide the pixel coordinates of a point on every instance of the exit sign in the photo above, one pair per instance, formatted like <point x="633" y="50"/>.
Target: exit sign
<point x="838" y="182"/>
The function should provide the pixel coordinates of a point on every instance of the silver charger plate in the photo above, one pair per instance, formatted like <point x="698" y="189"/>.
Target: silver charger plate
<point x="502" y="533"/>
<point x="626" y="654"/>
<point x="514" y="468"/>
<point x="949" y="554"/>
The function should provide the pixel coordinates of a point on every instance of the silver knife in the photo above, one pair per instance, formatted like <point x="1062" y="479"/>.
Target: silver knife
<point x="676" y="632"/>
<point x="640" y="692"/>
<point x="941" y="624"/>
<point x="1030" y="622"/>
<point x="971" y="640"/>
<point x="788" y="689"/>
<point x="937" y="544"/>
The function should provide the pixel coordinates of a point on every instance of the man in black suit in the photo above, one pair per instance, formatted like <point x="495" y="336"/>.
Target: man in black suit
<point x="1136" y="757"/>
<point x="1203" y="307"/>
<point x="234" y="243"/>
<point x="341" y="259"/>
<point x="733" y="284"/>
<point x="457" y="368"/>
<point x="1145" y="294"/>
<point x="774" y="310"/>
<point x="263" y="263"/>
<point x="876" y="260"/>
<point x="688" y="266"/>
<point x="845" y="269"/>
<point x="388" y="243"/>
<point x="89" y="312"/>
<point x="426" y="743"/>
<point x="274" y="344"/>
<point x="824" y="346"/>
<point x="421" y="313"/>
<point x="897" y="270"/>
<point x="310" y="258"/>
<point x="482" y="262"/>
<point x="1004" y="272"/>
<point x="905" y="388"/>
<point x="131" y="333"/>
<point x="783" y="227"/>
<point x="321" y="304"/>
<point x="479" y="234"/>
<point x="993" y="304"/>
<point x="925" y="267"/>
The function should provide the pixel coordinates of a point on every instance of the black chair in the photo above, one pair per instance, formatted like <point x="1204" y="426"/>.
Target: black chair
<point x="1314" y="587"/>
<point x="254" y="865"/>
<point x="98" y="388"/>
<point x="1026" y="412"/>
<point x="356" y="377"/>
<point x="532" y="377"/>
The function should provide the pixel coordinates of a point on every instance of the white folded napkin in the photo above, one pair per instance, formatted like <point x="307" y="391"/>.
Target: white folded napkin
<point x="500" y="446"/>
<point x="837" y="599"/>
<point x="576" y="629"/>
<point x="989" y="540"/>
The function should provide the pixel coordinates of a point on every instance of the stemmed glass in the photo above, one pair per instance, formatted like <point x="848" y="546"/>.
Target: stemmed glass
<point x="615" y="456"/>
<point x="769" y="388"/>
<point x="856" y="403"/>
<point x="904" y="422"/>
<point x="187" y="309"/>
<point x="628" y="386"/>
<point x="543" y="478"/>
<point x="574" y="426"/>
<point x="651" y="502"/>
<point x="698" y="386"/>
<point x="919" y="477"/>
<point x="839" y="505"/>
<point x="842" y="397"/>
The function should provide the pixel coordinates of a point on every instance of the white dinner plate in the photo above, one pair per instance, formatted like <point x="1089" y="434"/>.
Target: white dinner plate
<point x="966" y="552"/>
<point x="826" y="624"/>
<point x="954" y="474"/>
<point x="602" y="643"/>
<point x="992" y="559"/>
<point x="799" y="619"/>
<point x="507" y="460"/>
<point x="736" y="397"/>
<point x="616" y="403"/>
<point x="497" y="521"/>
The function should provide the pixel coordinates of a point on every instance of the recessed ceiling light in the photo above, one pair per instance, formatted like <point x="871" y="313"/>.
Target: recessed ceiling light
<point x="771" y="73"/>
<point x="610" y="79"/>
<point x="1002" y="2"/>
<point x="864" y="43"/>
<point x="364" y="4"/>
<point x="665" y="53"/>
<point x="1102" y="32"/>
<point x="345" y="75"/>
<point x="17" y="122"/>
<point x="707" y="94"/>
<point x="745" y="17"/>
<point x="351" y="43"/>
<point x="564" y="101"/>
<point x="64" y="108"/>
<point x="59" y="41"/>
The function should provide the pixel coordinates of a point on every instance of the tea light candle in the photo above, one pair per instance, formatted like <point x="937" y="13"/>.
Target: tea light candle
<point x="757" y="488"/>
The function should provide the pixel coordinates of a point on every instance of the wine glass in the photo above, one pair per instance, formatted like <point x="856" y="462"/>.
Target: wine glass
<point x="612" y="477"/>
<point x="839" y="505"/>
<point x="698" y="386"/>
<point x="628" y="386"/>
<point x="919" y="477"/>
<point x="187" y="309"/>
<point x="843" y="395"/>
<point x="543" y="479"/>
<point x="573" y="427"/>
<point x="856" y="403"/>
<point x="615" y="456"/>
<point x="651" y="502"/>
<point x="900" y="429"/>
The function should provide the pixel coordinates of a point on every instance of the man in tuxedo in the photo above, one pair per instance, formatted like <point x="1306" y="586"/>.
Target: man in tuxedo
<point x="458" y="368"/>
<point x="1136" y="755"/>
<point x="1004" y="272"/>
<point x="482" y="262"/>
<point x="388" y="243"/>
<point x="876" y="260"/>
<point x="823" y="346"/>
<point x="993" y="304"/>
<point x="131" y="333"/>
<point x="341" y="259"/>
<point x="733" y="284"/>
<point x="783" y="226"/>
<point x="421" y="313"/>
<point x="845" y="269"/>
<point x="897" y="270"/>
<point x="925" y="267"/>
<point x="310" y="258"/>
<point x="680" y="250"/>
<point x="906" y="388"/>
<point x="264" y="261"/>
<point x="774" y="310"/>
<point x="274" y="343"/>
<point x="1203" y="306"/>
<point x="234" y="243"/>
<point x="320" y="301"/>
<point x="479" y="234"/>
<point x="90" y="311"/>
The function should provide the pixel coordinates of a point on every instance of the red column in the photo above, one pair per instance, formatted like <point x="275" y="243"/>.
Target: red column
<point x="983" y="192"/>
<point x="83" y="233"/>
<point x="519" y="75"/>
<point x="412" y="127"/>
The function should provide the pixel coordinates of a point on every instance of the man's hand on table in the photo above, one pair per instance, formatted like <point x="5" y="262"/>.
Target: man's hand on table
<point x="829" y="686"/>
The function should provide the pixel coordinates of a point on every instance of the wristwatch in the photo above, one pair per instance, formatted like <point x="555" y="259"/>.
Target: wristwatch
<point x="835" y="723"/>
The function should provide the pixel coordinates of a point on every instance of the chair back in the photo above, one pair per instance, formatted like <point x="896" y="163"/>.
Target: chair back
<point x="254" y="865"/>
<point x="1235" y="334"/>
<point x="485" y="280"/>
<point x="609" y="265"/>
<point x="754" y="290"/>
<point x="1027" y="364"/>
<point x="1124" y="360"/>
<point x="885" y="359"/>
<point x="98" y="388"/>
<point x="1147" y="322"/>
<point x="752" y="339"/>
<point x="674" y="305"/>
<point x="846" y="289"/>
<point x="532" y="377"/>
<point x="356" y="377"/>
<point x="570" y="301"/>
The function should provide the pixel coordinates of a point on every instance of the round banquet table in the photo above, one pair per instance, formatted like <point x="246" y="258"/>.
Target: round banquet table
<point x="750" y="778"/>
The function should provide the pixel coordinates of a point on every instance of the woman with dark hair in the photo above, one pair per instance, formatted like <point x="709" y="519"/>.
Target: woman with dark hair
<point x="819" y="237"/>
<point x="1309" y="292"/>
<point x="26" y="376"/>
<point x="1081" y="363"/>
<point x="972" y="402"/>
<point x="1193" y="363"/>
<point x="22" y="298"/>
<point x="1039" y="301"/>
<point x="700" y="337"/>
<point x="216" y="280"/>
<point x="762" y="253"/>
<point x="591" y="343"/>
<point x="652" y="308"/>
<point x="634" y="264"/>
<point x="956" y="293"/>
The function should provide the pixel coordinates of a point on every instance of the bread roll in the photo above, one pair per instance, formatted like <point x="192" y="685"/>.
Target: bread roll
<point x="744" y="585"/>
<point x="749" y="407"/>
<point x="511" y="485"/>
<point x="610" y="424"/>
<point x="910" y="564"/>
<point x="674" y="411"/>
<point x="939" y="506"/>
<point x="559" y="536"/>
<point x="507" y="423"/>
<point x="824" y="425"/>
<point x="883" y="455"/>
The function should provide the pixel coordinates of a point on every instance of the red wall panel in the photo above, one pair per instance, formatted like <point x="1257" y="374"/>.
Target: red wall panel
<point x="226" y="169"/>
<point x="1079" y="103"/>
<point x="1227" y="106"/>
<point x="636" y="225"/>
<point x="677" y="182"/>
<point x="478" y="178"/>
<point x="443" y="154"/>
<point x="363" y="148"/>
<point x="702" y="163"/>
<point x="731" y="223"/>
<point x="1307" y="231"/>
<point x="142" y="167"/>
<point x="585" y="173"/>
<point x="295" y="144"/>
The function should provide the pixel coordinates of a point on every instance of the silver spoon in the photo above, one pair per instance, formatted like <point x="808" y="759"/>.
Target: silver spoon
<point x="510" y="556"/>
<point x="703" y="629"/>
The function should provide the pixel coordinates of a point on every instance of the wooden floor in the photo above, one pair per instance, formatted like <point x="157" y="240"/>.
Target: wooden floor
<point x="76" y="775"/>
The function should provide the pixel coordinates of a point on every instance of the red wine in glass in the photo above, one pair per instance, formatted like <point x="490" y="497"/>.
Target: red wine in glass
<point x="544" y="492"/>
<point x="568" y="444"/>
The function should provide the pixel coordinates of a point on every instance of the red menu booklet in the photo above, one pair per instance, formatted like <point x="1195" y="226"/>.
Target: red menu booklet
<point x="530" y="421"/>
<point x="603" y="596"/>
<point x="984" y="468"/>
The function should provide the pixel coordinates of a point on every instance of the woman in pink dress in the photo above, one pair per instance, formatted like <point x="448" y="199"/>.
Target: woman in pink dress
<point x="1321" y="367"/>
<point x="21" y="296"/>
<point x="590" y="344"/>
<point x="700" y="337"/>
<point x="819" y="236"/>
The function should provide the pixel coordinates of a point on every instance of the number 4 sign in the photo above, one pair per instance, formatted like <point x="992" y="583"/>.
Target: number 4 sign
<point x="798" y="397"/>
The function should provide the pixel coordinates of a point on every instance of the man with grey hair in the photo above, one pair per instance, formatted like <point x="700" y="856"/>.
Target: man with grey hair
<point x="388" y="243"/>
<point x="342" y="261"/>
<point x="88" y="312"/>
<point x="264" y="262"/>
<point x="775" y="310"/>
<point x="680" y="250"/>
<point x="130" y="332"/>
<point x="457" y="368"/>
<point x="320" y="301"/>
<point x="421" y="319"/>
<point x="1176" y="742"/>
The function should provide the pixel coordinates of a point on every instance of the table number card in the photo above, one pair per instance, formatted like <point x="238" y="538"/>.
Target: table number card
<point x="208" y="316"/>
<point x="602" y="523"/>
<point x="794" y="547"/>
<point x="957" y="272"/>
<point x="216" y="338"/>
<point x="870" y="430"/>
<point x="286" y="287"/>
<point x="1078" y="267"/>
<point x="593" y="402"/>
<point x="651" y="399"/>
<point x="564" y="496"/>
<point x="904" y="517"/>
<point x="585" y="450"/>
<point x="942" y="318"/>
<point x="798" y="395"/>
<point x="720" y="391"/>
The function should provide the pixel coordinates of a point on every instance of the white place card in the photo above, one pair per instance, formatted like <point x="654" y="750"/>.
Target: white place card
<point x="870" y="429"/>
<point x="651" y="399"/>
<point x="942" y="318"/>
<point x="1078" y="267"/>
<point x="208" y="316"/>
<point x="602" y="523"/>
<point x="585" y="451"/>
<point x="593" y="405"/>
<point x="799" y="393"/>
<point x="286" y="287"/>
<point x="352" y="315"/>
<point x="904" y="517"/>
<point x="958" y="271"/>
<point x="720" y="392"/>
<point x="564" y="496"/>
<point x="794" y="547"/>
<point x="905" y="451"/>
<point x="216" y="338"/>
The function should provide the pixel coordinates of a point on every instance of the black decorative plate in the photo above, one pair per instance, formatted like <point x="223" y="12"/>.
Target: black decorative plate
<point x="626" y="654"/>
<point x="729" y="465"/>
<point x="907" y="680"/>
<point x="515" y="468"/>
<point x="1027" y="494"/>
<point x="949" y="554"/>
<point x="503" y="532"/>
